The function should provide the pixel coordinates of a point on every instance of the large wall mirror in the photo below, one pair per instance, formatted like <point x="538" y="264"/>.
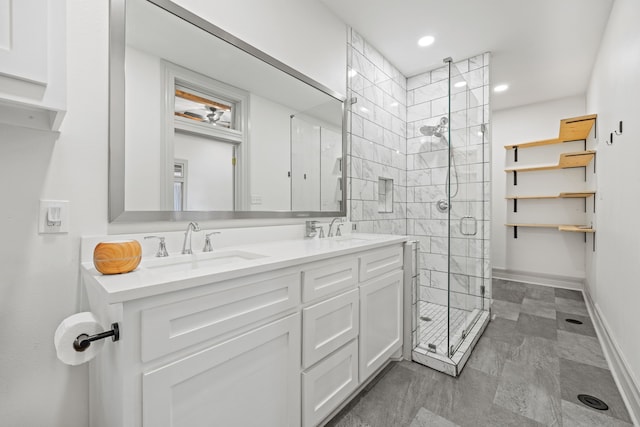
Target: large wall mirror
<point x="204" y="126"/>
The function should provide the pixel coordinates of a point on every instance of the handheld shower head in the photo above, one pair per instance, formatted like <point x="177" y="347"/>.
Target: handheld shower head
<point x="429" y="130"/>
<point x="437" y="130"/>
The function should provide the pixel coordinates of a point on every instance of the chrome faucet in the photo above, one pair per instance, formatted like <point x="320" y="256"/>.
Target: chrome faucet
<point x="330" y="233"/>
<point x="208" y="247"/>
<point x="193" y="226"/>
<point x="311" y="228"/>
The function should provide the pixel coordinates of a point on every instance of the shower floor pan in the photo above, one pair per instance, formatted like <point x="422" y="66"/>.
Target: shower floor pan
<point x="434" y="331"/>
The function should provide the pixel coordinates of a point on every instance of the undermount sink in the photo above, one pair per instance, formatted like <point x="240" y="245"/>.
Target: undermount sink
<point x="186" y="263"/>
<point x="352" y="238"/>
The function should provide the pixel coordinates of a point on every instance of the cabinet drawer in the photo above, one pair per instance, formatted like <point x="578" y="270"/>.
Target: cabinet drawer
<point x="375" y="263"/>
<point x="252" y="380"/>
<point x="329" y="325"/>
<point x="327" y="384"/>
<point x="187" y="322"/>
<point x="329" y="277"/>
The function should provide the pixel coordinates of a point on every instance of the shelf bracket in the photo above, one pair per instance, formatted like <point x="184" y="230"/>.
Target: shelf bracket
<point x="515" y="177"/>
<point x="585" y="205"/>
<point x="515" y="231"/>
<point x="515" y="205"/>
<point x="515" y="154"/>
<point x="594" y="203"/>
<point x="594" y="242"/>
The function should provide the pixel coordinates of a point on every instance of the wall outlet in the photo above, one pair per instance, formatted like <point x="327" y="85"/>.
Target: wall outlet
<point x="54" y="217"/>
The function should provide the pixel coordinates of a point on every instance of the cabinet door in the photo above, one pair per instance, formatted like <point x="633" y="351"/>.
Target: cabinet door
<point x="23" y="40"/>
<point x="329" y="383"/>
<point x="380" y="321"/>
<point x="328" y="325"/>
<point x="250" y="380"/>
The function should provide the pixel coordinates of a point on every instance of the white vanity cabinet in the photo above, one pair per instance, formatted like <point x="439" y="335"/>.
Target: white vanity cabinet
<point x="352" y="335"/>
<point x="283" y="346"/>
<point x="33" y="63"/>
<point x="225" y="353"/>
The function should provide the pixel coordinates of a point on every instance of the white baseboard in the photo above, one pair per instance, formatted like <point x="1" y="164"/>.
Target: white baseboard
<point x="553" y="280"/>
<point x="628" y="386"/>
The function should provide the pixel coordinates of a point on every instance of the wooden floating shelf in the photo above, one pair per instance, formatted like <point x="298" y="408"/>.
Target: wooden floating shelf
<point x="573" y="129"/>
<point x="561" y="227"/>
<point x="567" y="160"/>
<point x="582" y="195"/>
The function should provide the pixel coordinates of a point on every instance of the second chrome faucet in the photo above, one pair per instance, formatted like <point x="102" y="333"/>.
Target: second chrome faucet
<point x="193" y="226"/>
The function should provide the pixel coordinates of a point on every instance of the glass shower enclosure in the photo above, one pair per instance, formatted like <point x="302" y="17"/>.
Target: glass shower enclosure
<point x="453" y="286"/>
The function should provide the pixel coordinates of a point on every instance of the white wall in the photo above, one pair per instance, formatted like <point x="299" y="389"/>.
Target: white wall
<point x="614" y="93"/>
<point x="39" y="280"/>
<point x="269" y="155"/>
<point x="303" y="34"/>
<point x="209" y="172"/>
<point x="536" y="251"/>
<point x="143" y="124"/>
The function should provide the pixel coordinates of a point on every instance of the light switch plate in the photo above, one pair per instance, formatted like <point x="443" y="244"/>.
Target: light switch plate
<point x="44" y="224"/>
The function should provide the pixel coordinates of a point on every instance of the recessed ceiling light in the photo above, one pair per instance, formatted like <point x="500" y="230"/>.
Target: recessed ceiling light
<point x="461" y="84"/>
<point x="501" y="88"/>
<point x="426" y="41"/>
<point x="352" y="73"/>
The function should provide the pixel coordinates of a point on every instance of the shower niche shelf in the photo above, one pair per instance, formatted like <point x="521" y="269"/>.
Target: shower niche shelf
<point x="572" y="129"/>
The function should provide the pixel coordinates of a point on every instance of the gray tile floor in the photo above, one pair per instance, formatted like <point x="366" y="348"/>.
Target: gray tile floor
<point x="526" y="370"/>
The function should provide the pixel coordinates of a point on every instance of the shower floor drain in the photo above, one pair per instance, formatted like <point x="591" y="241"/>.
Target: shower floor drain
<point x="425" y="318"/>
<point x="593" y="402"/>
<point x="574" y="321"/>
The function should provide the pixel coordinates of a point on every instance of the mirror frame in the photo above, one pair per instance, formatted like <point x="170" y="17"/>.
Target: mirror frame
<point x="117" y="40"/>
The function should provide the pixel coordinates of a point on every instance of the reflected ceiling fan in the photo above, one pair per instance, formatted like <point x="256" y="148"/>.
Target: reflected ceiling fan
<point x="209" y="115"/>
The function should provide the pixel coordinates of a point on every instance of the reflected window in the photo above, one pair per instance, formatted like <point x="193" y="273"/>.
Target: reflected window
<point x="179" y="184"/>
<point x="202" y="108"/>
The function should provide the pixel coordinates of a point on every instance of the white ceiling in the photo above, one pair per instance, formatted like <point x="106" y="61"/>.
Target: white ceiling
<point x="544" y="49"/>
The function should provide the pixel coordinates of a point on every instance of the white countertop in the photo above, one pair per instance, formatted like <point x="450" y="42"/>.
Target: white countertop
<point x="145" y="282"/>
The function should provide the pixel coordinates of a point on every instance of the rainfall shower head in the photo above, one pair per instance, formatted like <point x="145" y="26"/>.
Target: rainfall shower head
<point x="437" y="130"/>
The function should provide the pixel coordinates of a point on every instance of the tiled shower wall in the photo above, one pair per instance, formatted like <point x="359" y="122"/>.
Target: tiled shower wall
<point x="427" y="165"/>
<point x="385" y="142"/>
<point x="377" y="135"/>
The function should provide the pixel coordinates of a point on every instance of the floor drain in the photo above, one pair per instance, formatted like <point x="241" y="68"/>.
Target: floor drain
<point x="593" y="402"/>
<point x="574" y="321"/>
<point x="425" y="318"/>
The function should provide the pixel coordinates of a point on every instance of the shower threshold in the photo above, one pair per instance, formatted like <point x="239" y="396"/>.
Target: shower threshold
<point x="452" y="365"/>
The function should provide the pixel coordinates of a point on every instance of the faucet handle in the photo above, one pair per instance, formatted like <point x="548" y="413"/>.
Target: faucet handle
<point x="311" y="228"/>
<point x="338" y="233"/>
<point x="162" y="247"/>
<point x="207" y="241"/>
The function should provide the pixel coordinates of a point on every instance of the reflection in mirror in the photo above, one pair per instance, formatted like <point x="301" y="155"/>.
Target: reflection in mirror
<point x="209" y="128"/>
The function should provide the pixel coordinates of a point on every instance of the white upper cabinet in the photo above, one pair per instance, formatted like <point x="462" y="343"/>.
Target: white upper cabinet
<point x="33" y="63"/>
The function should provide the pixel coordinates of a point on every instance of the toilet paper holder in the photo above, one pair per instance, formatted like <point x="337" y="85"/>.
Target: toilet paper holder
<point x="83" y="341"/>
